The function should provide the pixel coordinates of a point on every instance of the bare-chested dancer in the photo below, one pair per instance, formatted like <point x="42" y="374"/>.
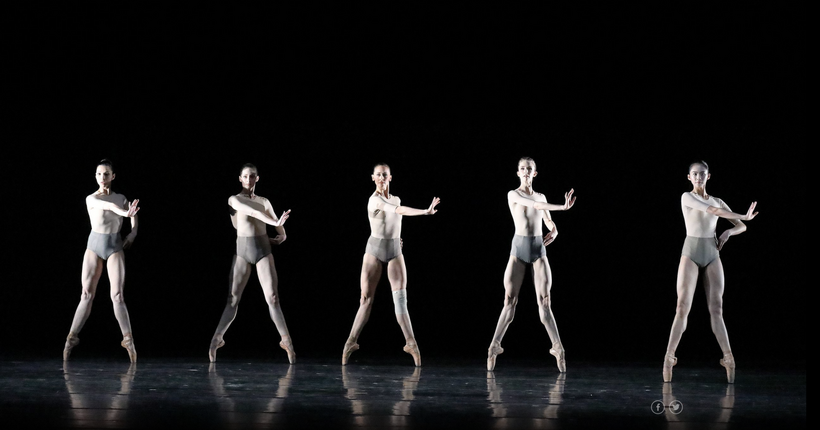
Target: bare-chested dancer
<point x="384" y="247"/>
<point x="249" y="214"/>
<point x="106" y="210"/>
<point x="700" y="253"/>
<point x="529" y="209"/>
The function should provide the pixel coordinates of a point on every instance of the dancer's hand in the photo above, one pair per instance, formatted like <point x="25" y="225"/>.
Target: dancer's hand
<point x="720" y="241"/>
<point x="569" y="200"/>
<point x="132" y="208"/>
<point x="550" y="237"/>
<point x="282" y="218"/>
<point x="129" y="240"/>
<point x="750" y="213"/>
<point x="432" y="209"/>
<point x="278" y="239"/>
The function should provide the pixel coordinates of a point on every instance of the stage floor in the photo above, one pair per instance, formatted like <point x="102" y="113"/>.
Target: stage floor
<point x="179" y="393"/>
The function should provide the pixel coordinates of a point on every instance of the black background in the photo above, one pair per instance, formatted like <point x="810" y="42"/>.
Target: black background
<point x="613" y="103"/>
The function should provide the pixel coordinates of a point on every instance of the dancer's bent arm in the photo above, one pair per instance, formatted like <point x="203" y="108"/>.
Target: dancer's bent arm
<point x="265" y="217"/>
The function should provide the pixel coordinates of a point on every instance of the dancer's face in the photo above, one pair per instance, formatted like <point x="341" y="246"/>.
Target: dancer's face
<point x="526" y="171"/>
<point x="382" y="177"/>
<point x="104" y="176"/>
<point x="698" y="175"/>
<point x="248" y="178"/>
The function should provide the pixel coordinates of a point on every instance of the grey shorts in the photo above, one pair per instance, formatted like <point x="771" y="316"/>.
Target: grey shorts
<point x="701" y="250"/>
<point x="252" y="248"/>
<point x="383" y="249"/>
<point x="104" y="244"/>
<point x="528" y="248"/>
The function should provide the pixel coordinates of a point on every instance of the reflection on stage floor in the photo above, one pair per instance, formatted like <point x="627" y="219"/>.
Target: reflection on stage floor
<point x="265" y="394"/>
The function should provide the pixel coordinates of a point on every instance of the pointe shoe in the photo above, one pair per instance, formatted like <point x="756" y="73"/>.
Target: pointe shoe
<point x="70" y="342"/>
<point x="288" y="346"/>
<point x="350" y="346"/>
<point x="128" y="344"/>
<point x="216" y="343"/>
<point x="414" y="351"/>
<point x="728" y="361"/>
<point x="560" y="358"/>
<point x="492" y="353"/>
<point x="668" y="362"/>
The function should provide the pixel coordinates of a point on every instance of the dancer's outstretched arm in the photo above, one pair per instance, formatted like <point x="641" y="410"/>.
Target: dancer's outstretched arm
<point x="690" y="201"/>
<point x="383" y="204"/>
<point x="569" y="201"/>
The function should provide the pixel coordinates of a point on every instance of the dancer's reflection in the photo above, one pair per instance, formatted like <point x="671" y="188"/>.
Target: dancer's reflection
<point x="235" y="402"/>
<point x="674" y="408"/>
<point x="501" y="410"/>
<point x="98" y="398"/>
<point x="365" y="402"/>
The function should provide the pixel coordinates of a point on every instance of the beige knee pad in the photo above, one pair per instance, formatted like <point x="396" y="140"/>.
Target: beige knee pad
<point x="400" y="301"/>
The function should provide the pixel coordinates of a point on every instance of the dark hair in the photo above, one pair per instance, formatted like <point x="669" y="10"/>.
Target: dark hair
<point x="526" y="159"/>
<point x="701" y="162"/>
<point x="107" y="163"/>
<point x="248" y="166"/>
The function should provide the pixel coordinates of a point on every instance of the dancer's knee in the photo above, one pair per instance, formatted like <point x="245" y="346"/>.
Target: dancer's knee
<point x="366" y="301"/>
<point x="682" y="310"/>
<point x="117" y="298"/>
<point x="510" y="301"/>
<point x="272" y="299"/>
<point x="544" y="302"/>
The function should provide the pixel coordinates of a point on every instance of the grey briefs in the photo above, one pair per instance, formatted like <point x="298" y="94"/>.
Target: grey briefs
<point x="528" y="248"/>
<point x="252" y="248"/>
<point x="701" y="250"/>
<point x="383" y="249"/>
<point x="104" y="244"/>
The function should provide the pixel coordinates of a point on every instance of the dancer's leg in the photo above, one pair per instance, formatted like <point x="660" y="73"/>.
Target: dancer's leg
<point x="687" y="280"/>
<point x="713" y="285"/>
<point x="397" y="274"/>
<point x="513" y="277"/>
<point x="268" y="278"/>
<point x="240" y="272"/>
<point x="542" y="277"/>
<point x="116" y="275"/>
<point x="371" y="272"/>
<point x="91" y="272"/>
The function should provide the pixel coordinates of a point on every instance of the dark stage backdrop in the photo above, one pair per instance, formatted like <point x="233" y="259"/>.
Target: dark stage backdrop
<point x="616" y="109"/>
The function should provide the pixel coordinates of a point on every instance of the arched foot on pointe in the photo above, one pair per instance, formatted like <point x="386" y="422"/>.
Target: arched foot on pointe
<point x="350" y="346"/>
<point x="668" y="363"/>
<point x="70" y="342"/>
<point x="413" y="349"/>
<point x="728" y="361"/>
<point x="216" y="343"/>
<point x="492" y="353"/>
<point x="288" y="346"/>
<point x="128" y="344"/>
<point x="560" y="358"/>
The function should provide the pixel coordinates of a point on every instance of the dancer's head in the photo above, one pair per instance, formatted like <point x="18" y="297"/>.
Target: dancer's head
<point x="248" y="176"/>
<point x="699" y="174"/>
<point x="381" y="176"/>
<point x="526" y="170"/>
<point x="104" y="173"/>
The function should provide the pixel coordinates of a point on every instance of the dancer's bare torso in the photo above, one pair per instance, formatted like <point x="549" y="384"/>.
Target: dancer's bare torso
<point x="385" y="223"/>
<point x="245" y="224"/>
<point x="103" y="220"/>
<point x="527" y="219"/>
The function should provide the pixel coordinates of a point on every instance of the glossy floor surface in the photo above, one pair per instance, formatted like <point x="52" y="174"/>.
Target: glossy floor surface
<point x="322" y="395"/>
